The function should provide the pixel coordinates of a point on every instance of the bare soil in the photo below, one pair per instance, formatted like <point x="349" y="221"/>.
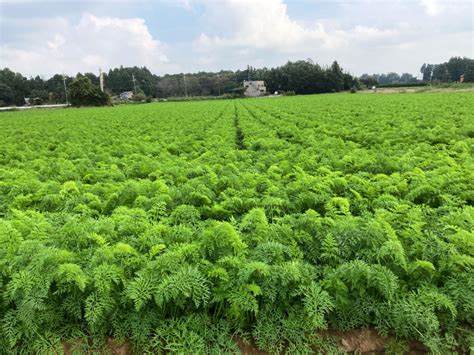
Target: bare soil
<point x="246" y="348"/>
<point x="359" y="341"/>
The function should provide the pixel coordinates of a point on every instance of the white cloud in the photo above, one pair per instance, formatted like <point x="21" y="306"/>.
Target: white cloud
<point x="91" y="43"/>
<point x="263" y="24"/>
<point x="262" y="33"/>
<point x="363" y="35"/>
<point x="260" y="28"/>
<point x="432" y="7"/>
<point x="447" y="7"/>
<point x="266" y="24"/>
<point x="187" y="4"/>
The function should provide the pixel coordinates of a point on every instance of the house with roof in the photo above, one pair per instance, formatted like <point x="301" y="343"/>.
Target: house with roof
<point x="254" y="88"/>
<point x="127" y="95"/>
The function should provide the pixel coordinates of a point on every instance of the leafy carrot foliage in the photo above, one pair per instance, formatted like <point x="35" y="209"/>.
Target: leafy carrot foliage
<point x="177" y="225"/>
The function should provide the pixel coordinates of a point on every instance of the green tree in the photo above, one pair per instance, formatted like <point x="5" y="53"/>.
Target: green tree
<point x="38" y="96"/>
<point x="123" y="79"/>
<point x="139" y="96"/>
<point x="337" y="76"/>
<point x="6" y="95"/>
<point x="469" y="73"/>
<point x="17" y="84"/>
<point x="427" y="71"/>
<point x="351" y="82"/>
<point x="456" y="66"/>
<point x="55" y="88"/>
<point x="393" y="77"/>
<point x="94" y="78"/>
<point x="83" y="93"/>
<point x="440" y="73"/>
<point x="407" y="78"/>
<point x="369" y="80"/>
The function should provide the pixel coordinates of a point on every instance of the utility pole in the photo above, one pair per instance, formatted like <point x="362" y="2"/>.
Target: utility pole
<point x="219" y="83"/>
<point x="134" y="85"/>
<point x="185" y="85"/>
<point x="101" y="80"/>
<point x="65" y="90"/>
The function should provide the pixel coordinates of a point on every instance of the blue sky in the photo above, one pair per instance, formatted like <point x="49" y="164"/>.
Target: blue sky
<point x="46" y="37"/>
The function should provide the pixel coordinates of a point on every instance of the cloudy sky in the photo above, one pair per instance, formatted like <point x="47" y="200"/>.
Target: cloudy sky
<point x="374" y="36"/>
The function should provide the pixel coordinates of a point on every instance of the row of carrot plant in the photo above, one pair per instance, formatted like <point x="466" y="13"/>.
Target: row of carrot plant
<point x="175" y="226"/>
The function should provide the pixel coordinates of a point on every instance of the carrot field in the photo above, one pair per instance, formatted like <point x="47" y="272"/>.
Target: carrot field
<point x="177" y="227"/>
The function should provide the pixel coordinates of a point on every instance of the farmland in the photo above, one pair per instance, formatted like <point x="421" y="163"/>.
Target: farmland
<point x="178" y="226"/>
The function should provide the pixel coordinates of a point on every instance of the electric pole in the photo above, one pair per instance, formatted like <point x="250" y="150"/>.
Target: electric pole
<point x="65" y="90"/>
<point x="101" y="80"/>
<point x="134" y="85"/>
<point x="185" y="85"/>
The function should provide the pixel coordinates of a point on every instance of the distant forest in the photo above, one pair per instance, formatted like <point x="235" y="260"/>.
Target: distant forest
<point x="300" y="77"/>
<point x="447" y="72"/>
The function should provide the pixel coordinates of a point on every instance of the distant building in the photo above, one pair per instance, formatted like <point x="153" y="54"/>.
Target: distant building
<point x="461" y="78"/>
<point x="33" y="101"/>
<point x="254" y="88"/>
<point x="127" y="95"/>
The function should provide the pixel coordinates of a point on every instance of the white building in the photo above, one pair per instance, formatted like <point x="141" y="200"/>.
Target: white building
<point x="254" y="88"/>
<point x="127" y="95"/>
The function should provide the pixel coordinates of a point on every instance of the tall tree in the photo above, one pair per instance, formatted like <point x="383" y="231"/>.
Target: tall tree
<point x="337" y="76"/>
<point x="18" y="85"/>
<point x="440" y="73"/>
<point x="456" y="66"/>
<point x="469" y="74"/>
<point x="6" y="95"/>
<point x="55" y="88"/>
<point x="407" y="78"/>
<point x="427" y="71"/>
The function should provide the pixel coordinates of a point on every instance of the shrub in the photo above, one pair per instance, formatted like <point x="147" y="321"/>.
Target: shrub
<point x="138" y="97"/>
<point x="83" y="93"/>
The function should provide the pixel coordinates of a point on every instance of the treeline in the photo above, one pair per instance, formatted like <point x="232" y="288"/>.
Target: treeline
<point x="306" y="77"/>
<point x="391" y="78"/>
<point x="456" y="69"/>
<point x="300" y="77"/>
<point x="14" y="88"/>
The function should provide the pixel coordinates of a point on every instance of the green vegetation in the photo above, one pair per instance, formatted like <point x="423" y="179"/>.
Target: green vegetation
<point x="177" y="225"/>
<point x="301" y="77"/>
<point x="83" y="93"/>
<point x="455" y="70"/>
<point x="450" y="71"/>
